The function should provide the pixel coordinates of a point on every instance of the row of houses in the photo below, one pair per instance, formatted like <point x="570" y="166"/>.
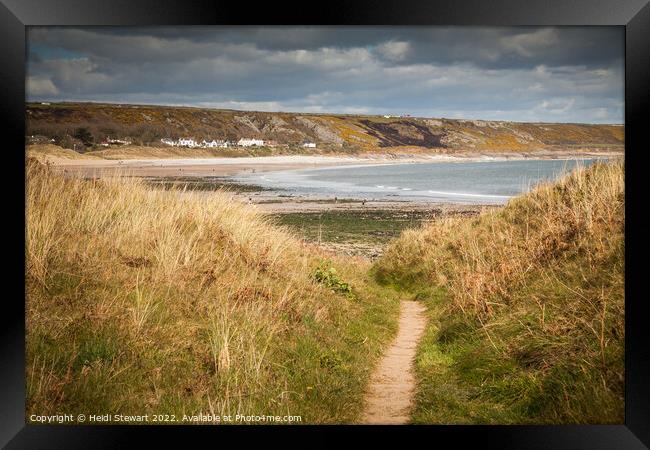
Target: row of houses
<point x="243" y="142"/>
<point x="108" y="142"/>
<point x="214" y="143"/>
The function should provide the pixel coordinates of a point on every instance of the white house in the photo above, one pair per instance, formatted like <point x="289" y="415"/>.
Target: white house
<point x="109" y="141"/>
<point x="309" y="144"/>
<point x="246" y="142"/>
<point x="187" y="142"/>
<point x="215" y="143"/>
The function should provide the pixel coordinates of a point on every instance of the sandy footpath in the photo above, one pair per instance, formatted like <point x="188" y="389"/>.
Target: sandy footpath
<point x="389" y="399"/>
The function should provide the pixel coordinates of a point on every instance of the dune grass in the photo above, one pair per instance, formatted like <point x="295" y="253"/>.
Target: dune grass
<point x="143" y="301"/>
<point x="150" y="301"/>
<point x="526" y="306"/>
<point x="44" y="152"/>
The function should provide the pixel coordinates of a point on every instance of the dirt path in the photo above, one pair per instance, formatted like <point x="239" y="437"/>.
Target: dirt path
<point x="392" y="386"/>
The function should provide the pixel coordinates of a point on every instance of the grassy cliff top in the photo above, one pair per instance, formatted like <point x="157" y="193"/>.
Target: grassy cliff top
<point x="147" y="124"/>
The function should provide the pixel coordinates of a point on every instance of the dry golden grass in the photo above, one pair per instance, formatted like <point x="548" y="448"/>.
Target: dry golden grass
<point x="532" y="314"/>
<point x="151" y="301"/>
<point x="43" y="152"/>
<point x="145" y="152"/>
<point x="142" y="300"/>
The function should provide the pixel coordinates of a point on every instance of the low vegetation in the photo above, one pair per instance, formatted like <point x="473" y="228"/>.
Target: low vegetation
<point x="43" y="152"/>
<point x="141" y="300"/>
<point x="327" y="275"/>
<point x="526" y="306"/>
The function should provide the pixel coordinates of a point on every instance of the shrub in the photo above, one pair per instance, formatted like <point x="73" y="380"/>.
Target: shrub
<point x="327" y="275"/>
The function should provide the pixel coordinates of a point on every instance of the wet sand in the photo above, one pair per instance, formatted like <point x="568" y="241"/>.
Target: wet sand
<point x="273" y="203"/>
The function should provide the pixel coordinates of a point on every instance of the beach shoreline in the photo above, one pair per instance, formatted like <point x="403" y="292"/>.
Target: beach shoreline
<point x="230" y="166"/>
<point x="221" y="173"/>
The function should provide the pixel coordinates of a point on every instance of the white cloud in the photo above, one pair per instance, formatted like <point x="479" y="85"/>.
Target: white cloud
<point x="233" y="104"/>
<point x="527" y="44"/>
<point x="394" y="50"/>
<point x="557" y="105"/>
<point x="39" y="85"/>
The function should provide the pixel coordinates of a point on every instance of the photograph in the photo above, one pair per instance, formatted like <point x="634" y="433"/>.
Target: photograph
<point x="310" y="224"/>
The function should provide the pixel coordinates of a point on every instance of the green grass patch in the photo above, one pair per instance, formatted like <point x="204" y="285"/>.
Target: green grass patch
<point x="373" y="227"/>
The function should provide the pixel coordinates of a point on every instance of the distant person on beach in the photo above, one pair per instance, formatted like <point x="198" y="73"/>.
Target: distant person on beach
<point x="335" y="199"/>
<point x="363" y="202"/>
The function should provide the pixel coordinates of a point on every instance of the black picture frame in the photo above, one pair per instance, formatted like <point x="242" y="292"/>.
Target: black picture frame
<point x="634" y="15"/>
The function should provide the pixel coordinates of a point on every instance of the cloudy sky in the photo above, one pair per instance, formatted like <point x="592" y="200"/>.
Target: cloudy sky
<point x="566" y="74"/>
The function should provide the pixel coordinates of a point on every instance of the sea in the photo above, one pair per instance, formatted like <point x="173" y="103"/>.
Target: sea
<point x="482" y="182"/>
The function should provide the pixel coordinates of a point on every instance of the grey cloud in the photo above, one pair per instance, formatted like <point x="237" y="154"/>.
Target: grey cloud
<point x="496" y="47"/>
<point x="540" y="74"/>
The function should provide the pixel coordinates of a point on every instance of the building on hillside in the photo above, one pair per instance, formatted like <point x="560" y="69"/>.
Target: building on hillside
<point x="309" y="144"/>
<point x="187" y="142"/>
<point x="108" y="141"/>
<point x="215" y="143"/>
<point x="38" y="139"/>
<point x="246" y="142"/>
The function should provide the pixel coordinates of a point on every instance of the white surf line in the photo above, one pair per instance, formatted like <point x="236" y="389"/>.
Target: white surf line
<point x="469" y="195"/>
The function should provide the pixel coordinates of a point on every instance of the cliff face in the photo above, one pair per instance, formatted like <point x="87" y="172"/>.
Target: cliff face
<point x="147" y="124"/>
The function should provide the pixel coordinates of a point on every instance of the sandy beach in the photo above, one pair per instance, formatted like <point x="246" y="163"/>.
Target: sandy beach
<point x="201" y="167"/>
